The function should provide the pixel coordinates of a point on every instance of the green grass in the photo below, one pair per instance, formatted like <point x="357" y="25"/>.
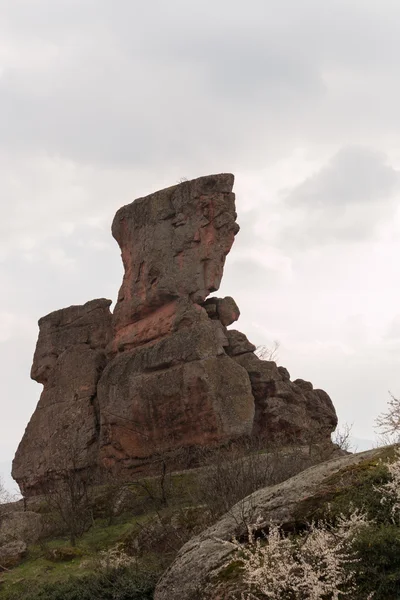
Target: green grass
<point x="351" y="487"/>
<point x="39" y="567"/>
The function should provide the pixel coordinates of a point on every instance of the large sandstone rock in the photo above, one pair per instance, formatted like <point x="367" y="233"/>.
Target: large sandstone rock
<point x="68" y="361"/>
<point x="170" y="383"/>
<point x="201" y="558"/>
<point x="292" y="412"/>
<point x="173" y="245"/>
<point x="162" y="372"/>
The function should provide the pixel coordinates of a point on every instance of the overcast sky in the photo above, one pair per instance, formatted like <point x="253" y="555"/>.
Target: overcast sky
<point x="103" y="101"/>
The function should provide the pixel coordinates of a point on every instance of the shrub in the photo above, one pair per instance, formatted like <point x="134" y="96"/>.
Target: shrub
<point x="378" y="549"/>
<point x="356" y="555"/>
<point x="116" y="584"/>
<point x="316" y="564"/>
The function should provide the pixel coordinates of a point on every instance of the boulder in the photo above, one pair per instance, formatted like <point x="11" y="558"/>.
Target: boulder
<point x="238" y="343"/>
<point x="224" y="309"/>
<point x="20" y="525"/>
<point x="200" y="403"/>
<point x="200" y="559"/>
<point x="11" y="554"/>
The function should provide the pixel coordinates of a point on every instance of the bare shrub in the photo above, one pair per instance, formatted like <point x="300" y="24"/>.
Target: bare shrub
<point x="68" y="494"/>
<point x="342" y="437"/>
<point x="232" y="477"/>
<point x="165" y="533"/>
<point x="269" y="352"/>
<point x="69" y="500"/>
<point x="5" y="499"/>
<point x="5" y="496"/>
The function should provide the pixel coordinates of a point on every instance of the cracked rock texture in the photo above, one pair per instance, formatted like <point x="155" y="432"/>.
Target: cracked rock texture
<point x="162" y="372"/>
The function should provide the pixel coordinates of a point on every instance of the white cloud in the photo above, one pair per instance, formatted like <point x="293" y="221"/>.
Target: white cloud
<point x="16" y="326"/>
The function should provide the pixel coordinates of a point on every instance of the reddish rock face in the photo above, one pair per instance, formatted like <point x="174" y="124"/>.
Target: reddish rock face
<point x="163" y="372"/>
<point x="169" y="383"/>
<point x="173" y="245"/>
<point x="68" y="361"/>
<point x="182" y="391"/>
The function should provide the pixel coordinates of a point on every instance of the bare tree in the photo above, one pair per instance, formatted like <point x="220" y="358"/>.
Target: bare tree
<point x="5" y="497"/>
<point x="69" y="492"/>
<point x="69" y="497"/>
<point x="342" y="437"/>
<point x="388" y="423"/>
<point x="232" y="476"/>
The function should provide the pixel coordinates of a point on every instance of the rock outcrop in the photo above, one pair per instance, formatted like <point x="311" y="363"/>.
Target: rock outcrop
<point x="163" y="371"/>
<point x="200" y="559"/>
<point x="68" y="361"/>
<point x="167" y="355"/>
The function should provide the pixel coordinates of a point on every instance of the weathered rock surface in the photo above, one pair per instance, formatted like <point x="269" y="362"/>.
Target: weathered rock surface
<point x="224" y="309"/>
<point x="163" y="371"/>
<point x="168" y="356"/>
<point x="201" y="557"/>
<point x="11" y="554"/>
<point x="20" y="525"/>
<point x="68" y="361"/>
<point x="173" y="245"/>
<point x="288" y="411"/>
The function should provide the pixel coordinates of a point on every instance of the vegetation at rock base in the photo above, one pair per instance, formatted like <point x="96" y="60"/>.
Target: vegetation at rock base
<point x="122" y="558"/>
<point x="345" y="542"/>
<point x="150" y="519"/>
<point x="116" y="584"/>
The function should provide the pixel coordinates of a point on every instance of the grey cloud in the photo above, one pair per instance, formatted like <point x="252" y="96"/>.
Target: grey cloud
<point x="347" y="200"/>
<point x="73" y="271"/>
<point x="159" y="83"/>
<point x="355" y="175"/>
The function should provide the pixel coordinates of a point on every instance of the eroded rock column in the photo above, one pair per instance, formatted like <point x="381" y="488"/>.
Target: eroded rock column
<point x="170" y="383"/>
<point x="64" y="429"/>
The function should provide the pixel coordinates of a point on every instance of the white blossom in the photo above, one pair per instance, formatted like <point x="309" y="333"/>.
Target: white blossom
<point x="115" y="558"/>
<point x="314" y="565"/>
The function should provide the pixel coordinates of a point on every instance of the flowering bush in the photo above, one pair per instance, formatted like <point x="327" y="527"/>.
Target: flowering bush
<point x="313" y="565"/>
<point x="330" y="560"/>
<point x="115" y="558"/>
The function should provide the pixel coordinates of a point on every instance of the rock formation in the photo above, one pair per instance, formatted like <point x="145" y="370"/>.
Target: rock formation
<point x="200" y="560"/>
<point x="68" y="361"/>
<point x="163" y="371"/>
